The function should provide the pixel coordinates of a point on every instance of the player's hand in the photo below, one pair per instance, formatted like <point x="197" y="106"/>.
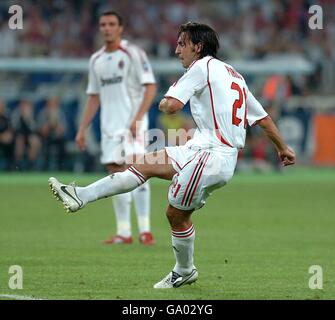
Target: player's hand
<point x="287" y="156"/>
<point x="81" y="140"/>
<point x="135" y="125"/>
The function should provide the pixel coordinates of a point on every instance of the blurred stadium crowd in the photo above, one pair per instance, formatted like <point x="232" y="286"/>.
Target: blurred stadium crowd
<point x="247" y="29"/>
<point x="32" y="130"/>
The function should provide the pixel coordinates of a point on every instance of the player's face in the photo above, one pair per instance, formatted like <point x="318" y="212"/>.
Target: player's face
<point x="110" y="28"/>
<point x="187" y="51"/>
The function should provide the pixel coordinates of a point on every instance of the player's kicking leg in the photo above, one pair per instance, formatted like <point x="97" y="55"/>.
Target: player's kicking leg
<point x="74" y="198"/>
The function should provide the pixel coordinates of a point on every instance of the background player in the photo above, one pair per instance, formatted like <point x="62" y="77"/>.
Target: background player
<point x="222" y="106"/>
<point x="122" y="82"/>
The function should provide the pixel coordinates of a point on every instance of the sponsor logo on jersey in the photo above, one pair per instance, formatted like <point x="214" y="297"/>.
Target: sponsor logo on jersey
<point x="110" y="81"/>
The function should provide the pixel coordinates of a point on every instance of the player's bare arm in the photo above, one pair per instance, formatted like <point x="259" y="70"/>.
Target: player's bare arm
<point x="92" y="106"/>
<point x="286" y="155"/>
<point x="148" y="97"/>
<point x="170" y="105"/>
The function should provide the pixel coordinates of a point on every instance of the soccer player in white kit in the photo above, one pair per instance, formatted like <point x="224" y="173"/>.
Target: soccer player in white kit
<point x="122" y="81"/>
<point x="222" y="106"/>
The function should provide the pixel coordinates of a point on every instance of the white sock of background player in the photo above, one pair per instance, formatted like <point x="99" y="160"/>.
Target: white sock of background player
<point x="141" y="196"/>
<point x="121" y="204"/>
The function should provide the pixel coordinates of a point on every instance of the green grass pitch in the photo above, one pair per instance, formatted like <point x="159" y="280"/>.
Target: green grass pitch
<point x="255" y="239"/>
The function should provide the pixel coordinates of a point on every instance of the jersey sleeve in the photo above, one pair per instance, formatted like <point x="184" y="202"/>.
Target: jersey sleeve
<point x="191" y="82"/>
<point x="142" y="66"/>
<point x="93" y="84"/>
<point x="255" y="111"/>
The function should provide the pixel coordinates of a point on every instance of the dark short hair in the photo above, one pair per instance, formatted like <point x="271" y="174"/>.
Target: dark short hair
<point x="201" y="33"/>
<point x="113" y="13"/>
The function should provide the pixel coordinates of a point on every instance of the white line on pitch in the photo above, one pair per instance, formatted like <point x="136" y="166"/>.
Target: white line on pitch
<point x="16" y="297"/>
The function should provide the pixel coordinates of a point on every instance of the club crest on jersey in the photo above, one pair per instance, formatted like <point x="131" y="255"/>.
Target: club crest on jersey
<point x="121" y="64"/>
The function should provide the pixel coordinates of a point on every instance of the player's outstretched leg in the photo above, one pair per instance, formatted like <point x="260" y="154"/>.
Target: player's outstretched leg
<point x="75" y="198"/>
<point x="183" y="235"/>
<point x="154" y="164"/>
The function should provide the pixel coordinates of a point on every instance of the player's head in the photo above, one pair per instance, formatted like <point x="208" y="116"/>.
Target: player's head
<point x="195" y="41"/>
<point x="111" y="26"/>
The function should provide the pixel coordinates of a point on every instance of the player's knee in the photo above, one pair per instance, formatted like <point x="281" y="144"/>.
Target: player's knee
<point x="174" y="219"/>
<point x="178" y="219"/>
<point x="113" y="168"/>
<point x="170" y="215"/>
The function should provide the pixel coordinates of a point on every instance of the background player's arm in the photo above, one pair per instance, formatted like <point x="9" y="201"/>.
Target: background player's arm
<point x="148" y="97"/>
<point x="92" y="106"/>
<point x="286" y="155"/>
<point x="170" y="105"/>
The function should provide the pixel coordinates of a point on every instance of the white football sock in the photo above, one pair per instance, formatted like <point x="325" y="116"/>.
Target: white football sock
<point x="119" y="182"/>
<point x="121" y="204"/>
<point x="141" y="196"/>
<point x="183" y="248"/>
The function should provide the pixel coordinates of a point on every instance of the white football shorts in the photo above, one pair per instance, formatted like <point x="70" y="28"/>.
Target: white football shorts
<point x="199" y="173"/>
<point x="119" y="149"/>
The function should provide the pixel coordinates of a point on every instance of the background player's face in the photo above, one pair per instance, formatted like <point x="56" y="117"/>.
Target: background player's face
<point x="186" y="50"/>
<point x="110" y="28"/>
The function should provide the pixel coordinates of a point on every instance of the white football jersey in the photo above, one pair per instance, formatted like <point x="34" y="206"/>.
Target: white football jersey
<point x="118" y="77"/>
<point x="221" y="103"/>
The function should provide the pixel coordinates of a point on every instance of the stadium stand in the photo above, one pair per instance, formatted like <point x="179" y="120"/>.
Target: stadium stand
<point x="277" y="31"/>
